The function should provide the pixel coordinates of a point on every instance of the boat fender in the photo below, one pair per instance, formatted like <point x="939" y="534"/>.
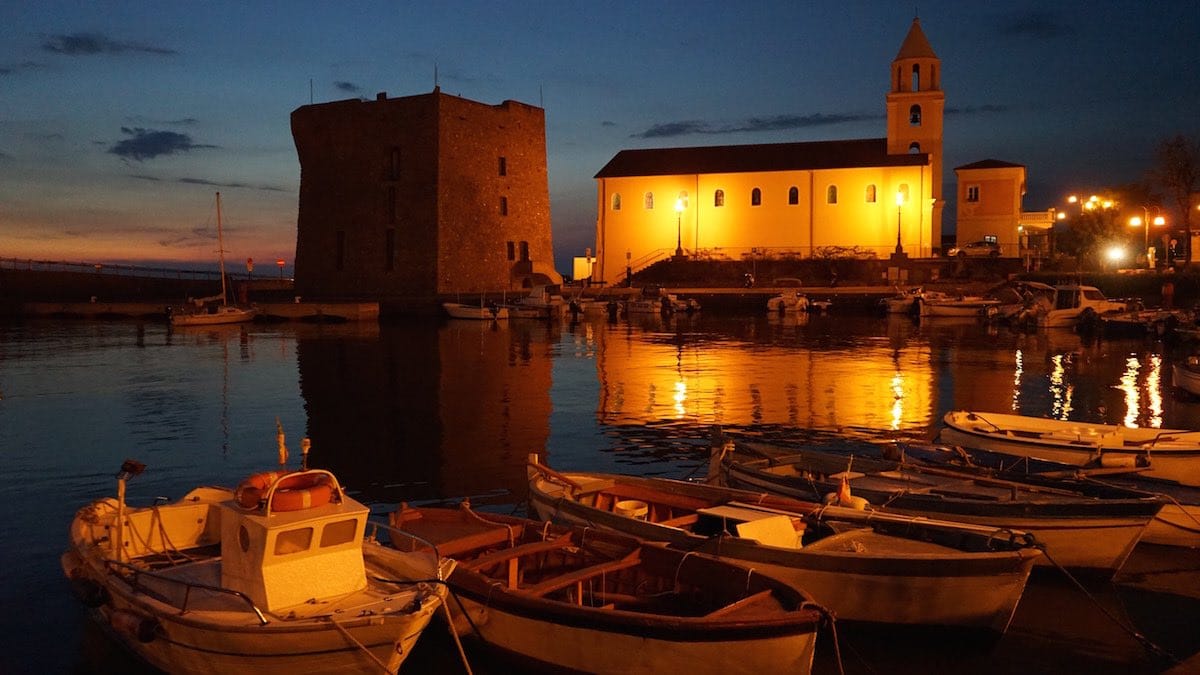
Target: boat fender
<point x="250" y="491"/>
<point x="142" y="628"/>
<point x="852" y="502"/>
<point x="89" y="592"/>
<point x="293" y="492"/>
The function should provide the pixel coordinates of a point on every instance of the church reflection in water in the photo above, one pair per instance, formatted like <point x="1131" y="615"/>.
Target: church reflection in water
<point x="428" y="410"/>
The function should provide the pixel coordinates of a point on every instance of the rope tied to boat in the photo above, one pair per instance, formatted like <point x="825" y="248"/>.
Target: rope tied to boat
<point x="1137" y="635"/>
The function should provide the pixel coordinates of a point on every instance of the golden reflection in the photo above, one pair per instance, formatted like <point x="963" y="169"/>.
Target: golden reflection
<point x="1060" y="391"/>
<point x="1154" y="391"/>
<point x="1129" y="386"/>
<point x="897" y="401"/>
<point x="739" y="383"/>
<point x="1018" y="370"/>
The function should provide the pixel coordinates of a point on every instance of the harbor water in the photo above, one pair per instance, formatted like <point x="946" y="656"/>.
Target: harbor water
<point x="431" y="412"/>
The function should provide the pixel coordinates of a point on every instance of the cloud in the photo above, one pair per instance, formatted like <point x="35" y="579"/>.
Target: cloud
<point x="751" y="125"/>
<point x="149" y="143"/>
<point x="181" y="122"/>
<point x="90" y="44"/>
<point x="210" y="183"/>
<point x="1037" y="25"/>
<point x="973" y="109"/>
<point x="350" y="87"/>
<point x="24" y="65"/>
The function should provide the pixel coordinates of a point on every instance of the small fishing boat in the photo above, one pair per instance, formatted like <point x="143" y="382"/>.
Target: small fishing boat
<point x="1171" y="454"/>
<point x="274" y="577"/>
<point x="1073" y="305"/>
<point x="581" y="599"/>
<point x="902" y="301"/>
<point x="1185" y="375"/>
<point x="936" y="304"/>
<point x="213" y="310"/>
<point x="1084" y="533"/>
<point x="480" y="312"/>
<point x="866" y="567"/>
<point x="788" y="301"/>
<point x="1177" y="524"/>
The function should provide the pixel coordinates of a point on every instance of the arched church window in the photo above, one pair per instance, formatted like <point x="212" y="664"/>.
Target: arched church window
<point x="793" y="195"/>
<point x="616" y="201"/>
<point x="756" y="197"/>
<point x="914" y="115"/>
<point x="649" y="200"/>
<point x="916" y="78"/>
<point x="831" y="195"/>
<point x="871" y="193"/>
<point x="719" y="198"/>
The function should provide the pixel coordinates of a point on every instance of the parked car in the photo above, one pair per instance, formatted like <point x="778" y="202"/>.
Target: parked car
<point x="976" y="248"/>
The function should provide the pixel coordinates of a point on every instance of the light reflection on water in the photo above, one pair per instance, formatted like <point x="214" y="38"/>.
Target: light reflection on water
<point x="440" y="410"/>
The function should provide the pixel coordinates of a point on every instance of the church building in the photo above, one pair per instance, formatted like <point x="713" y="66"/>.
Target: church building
<point x="874" y="197"/>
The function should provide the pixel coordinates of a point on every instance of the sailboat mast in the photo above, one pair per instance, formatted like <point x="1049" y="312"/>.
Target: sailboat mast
<point x="221" y="249"/>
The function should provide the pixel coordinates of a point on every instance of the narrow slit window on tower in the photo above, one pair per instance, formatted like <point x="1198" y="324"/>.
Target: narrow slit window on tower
<point x="756" y="197"/>
<point x="649" y="200"/>
<point x="793" y="195"/>
<point x="503" y="166"/>
<point x="719" y="198"/>
<point x="616" y="201"/>
<point x="524" y="251"/>
<point x="394" y="164"/>
<point x="389" y="250"/>
<point x="871" y="193"/>
<point x="504" y="206"/>
<point x="831" y="195"/>
<point x="916" y="78"/>
<point x="512" y="250"/>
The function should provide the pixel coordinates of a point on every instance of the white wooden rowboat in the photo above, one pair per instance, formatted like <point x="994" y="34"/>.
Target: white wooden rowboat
<point x="1170" y="454"/>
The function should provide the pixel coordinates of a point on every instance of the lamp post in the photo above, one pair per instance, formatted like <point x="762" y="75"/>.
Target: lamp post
<point x="679" y="228"/>
<point x="899" y="205"/>
<point x="1144" y="222"/>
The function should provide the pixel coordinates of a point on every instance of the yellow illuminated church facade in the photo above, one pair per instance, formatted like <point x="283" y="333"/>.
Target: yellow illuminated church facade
<point x="869" y="198"/>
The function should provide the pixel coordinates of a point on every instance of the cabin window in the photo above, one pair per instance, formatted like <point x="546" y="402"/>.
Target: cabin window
<point x="341" y="532"/>
<point x="871" y="193"/>
<point x="503" y="166"/>
<point x="293" y="541"/>
<point x="719" y="198"/>
<point x="972" y="193"/>
<point x="389" y="250"/>
<point x="914" y="116"/>
<point x="616" y="201"/>
<point x="504" y="206"/>
<point x="793" y="195"/>
<point x="648" y="200"/>
<point x="831" y="194"/>
<point x="756" y="197"/>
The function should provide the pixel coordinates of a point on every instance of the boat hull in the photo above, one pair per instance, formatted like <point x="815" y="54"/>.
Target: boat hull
<point x="225" y="315"/>
<point x="1170" y="454"/>
<point x="862" y="577"/>
<point x="1185" y="378"/>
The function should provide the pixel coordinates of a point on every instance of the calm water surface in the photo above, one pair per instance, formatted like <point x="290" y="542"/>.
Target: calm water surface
<point x="430" y="411"/>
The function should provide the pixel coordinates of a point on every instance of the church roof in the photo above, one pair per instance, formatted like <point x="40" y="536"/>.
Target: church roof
<point x="990" y="164"/>
<point x="916" y="45"/>
<point x="751" y="158"/>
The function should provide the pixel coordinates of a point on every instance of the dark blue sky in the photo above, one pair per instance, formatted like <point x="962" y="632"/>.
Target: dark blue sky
<point x="118" y="120"/>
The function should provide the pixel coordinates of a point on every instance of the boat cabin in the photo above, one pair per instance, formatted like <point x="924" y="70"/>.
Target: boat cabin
<point x="281" y="559"/>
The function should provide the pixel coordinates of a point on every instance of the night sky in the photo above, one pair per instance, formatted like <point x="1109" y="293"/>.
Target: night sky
<point x="119" y="120"/>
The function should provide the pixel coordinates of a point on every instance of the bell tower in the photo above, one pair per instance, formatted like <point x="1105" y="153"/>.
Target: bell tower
<point x="916" y="109"/>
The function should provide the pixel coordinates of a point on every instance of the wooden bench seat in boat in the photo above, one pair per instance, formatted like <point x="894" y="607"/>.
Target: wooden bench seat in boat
<point x="583" y="574"/>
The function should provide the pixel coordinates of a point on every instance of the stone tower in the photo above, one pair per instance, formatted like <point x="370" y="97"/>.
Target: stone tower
<point x="916" y="109"/>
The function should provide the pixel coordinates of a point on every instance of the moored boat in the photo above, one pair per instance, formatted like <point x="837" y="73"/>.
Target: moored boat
<point x="480" y="312"/>
<point x="1086" y="534"/>
<point x="586" y="600"/>
<point x="1171" y="454"/>
<point x="275" y="577"/>
<point x="1185" y="375"/>
<point x="788" y="301"/>
<point x="866" y="567"/>
<point x="207" y="311"/>
<point x="936" y="304"/>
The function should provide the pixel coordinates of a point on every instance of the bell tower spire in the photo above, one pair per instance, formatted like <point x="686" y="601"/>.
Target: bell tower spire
<point x="916" y="108"/>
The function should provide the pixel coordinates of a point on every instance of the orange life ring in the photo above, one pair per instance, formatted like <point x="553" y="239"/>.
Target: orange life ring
<point x="293" y="492"/>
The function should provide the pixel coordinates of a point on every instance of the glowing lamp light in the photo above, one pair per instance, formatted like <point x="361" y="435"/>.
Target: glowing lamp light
<point x="899" y="199"/>
<point x="1115" y="254"/>
<point x="1061" y="215"/>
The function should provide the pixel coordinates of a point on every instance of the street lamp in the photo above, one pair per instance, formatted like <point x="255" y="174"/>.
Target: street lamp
<point x="1143" y="222"/>
<point x="899" y="204"/>
<point x="679" y="228"/>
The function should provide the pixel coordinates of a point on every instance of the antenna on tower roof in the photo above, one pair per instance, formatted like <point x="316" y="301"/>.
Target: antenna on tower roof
<point x="435" y="75"/>
<point x="541" y="98"/>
